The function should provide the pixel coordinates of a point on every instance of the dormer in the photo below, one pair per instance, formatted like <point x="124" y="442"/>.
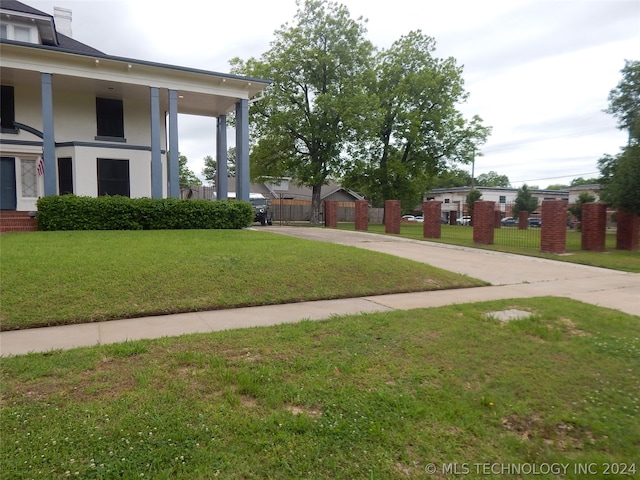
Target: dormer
<point x="21" y="23"/>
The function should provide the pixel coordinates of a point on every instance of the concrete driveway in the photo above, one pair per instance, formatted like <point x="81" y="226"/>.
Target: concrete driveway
<point x="511" y="276"/>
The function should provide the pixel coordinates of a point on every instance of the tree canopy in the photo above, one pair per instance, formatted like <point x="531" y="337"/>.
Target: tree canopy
<point x="385" y="122"/>
<point x="492" y="179"/>
<point x="620" y="174"/>
<point x="624" y="100"/>
<point x="419" y="129"/>
<point x="318" y="104"/>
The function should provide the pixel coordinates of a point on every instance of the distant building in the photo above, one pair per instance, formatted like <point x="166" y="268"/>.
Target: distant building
<point x="455" y="198"/>
<point x="574" y="192"/>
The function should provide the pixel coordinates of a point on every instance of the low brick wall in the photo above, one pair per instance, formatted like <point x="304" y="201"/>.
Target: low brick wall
<point x="331" y="214"/>
<point x="392" y="216"/>
<point x="431" y="212"/>
<point x="483" y="218"/>
<point x="497" y="217"/>
<point x="362" y="215"/>
<point x="523" y="220"/>
<point x="553" y="237"/>
<point x="628" y="231"/>
<point x="594" y="226"/>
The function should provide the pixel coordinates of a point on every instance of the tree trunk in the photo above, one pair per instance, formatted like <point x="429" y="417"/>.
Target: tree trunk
<point x="315" y="204"/>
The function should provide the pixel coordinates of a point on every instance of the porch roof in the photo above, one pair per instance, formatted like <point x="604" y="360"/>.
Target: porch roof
<point x="200" y="92"/>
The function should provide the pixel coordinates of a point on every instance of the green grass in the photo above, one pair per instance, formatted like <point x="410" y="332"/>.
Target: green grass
<point x="524" y="242"/>
<point x="370" y="396"/>
<point x="53" y="278"/>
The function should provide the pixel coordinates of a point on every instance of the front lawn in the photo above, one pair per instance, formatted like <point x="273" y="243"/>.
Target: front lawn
<point x="408" y="394"/>
<point x="54" y="278"/>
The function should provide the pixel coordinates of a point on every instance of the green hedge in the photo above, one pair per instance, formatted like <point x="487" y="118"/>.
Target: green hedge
<point x="71" y="212"/>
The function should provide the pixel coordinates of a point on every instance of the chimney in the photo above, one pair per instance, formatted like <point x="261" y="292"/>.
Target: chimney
<point x="62" y="17"/>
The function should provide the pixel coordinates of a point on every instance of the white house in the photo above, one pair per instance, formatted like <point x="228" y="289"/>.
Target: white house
<point x="76" y="120"/>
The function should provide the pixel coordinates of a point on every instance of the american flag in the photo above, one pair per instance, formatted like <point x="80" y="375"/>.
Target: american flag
<point x="40" y="167"/>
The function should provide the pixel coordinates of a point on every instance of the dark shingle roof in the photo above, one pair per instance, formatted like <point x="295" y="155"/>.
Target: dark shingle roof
<point x="64" y="42"/>
<point x="21" y="7"/>
<point x="69" y="43"/>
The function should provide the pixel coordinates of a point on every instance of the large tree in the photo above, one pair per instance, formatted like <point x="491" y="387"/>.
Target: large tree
<point x="318" y="104"/>
<point x="420" y="132"/>
<point x="620" y="174"/>
<point x="624" y="101"/>
<point x="452" y="177"/>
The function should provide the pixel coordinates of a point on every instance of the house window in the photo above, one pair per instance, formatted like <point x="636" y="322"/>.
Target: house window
<point x="110" y="119"/>
<point x="7" y="110"/>
<point x="29" y="178"/>
<point x="65" y="176"/>
<point x="503" y="199"/>
<point x="20" y="33"/>
<point x="447" y="200"/>
<point x="113" y="177"/>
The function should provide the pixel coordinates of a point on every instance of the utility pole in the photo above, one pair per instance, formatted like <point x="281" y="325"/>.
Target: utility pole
<point x="473" y="168"/>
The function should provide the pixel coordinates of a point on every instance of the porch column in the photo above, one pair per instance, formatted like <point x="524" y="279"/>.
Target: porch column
<point x="156" y="154"/>
<point x="48" y="137"/>
<point x="173" y="170"/>
<point x="242" y="150"/>
<point x="222" y="183"/>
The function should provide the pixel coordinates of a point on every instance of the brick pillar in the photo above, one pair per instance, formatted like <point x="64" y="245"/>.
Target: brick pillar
<point x="594" y="226"/>
<point x="628" y="231"/>
<point x="453" y="217"/>
<point x="483" y="218"/>
<point x="523" y="220"/>
<point x="553" y="235"/>
<point x="497" y="217"/>
<point x="362" y="215"/>
<point x="330" y="213"/>
<point x="392" y="216"/>
<point x="431" y="211"/>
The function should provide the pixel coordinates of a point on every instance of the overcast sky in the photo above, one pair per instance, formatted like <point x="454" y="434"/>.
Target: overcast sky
<point x="538" y="71"/>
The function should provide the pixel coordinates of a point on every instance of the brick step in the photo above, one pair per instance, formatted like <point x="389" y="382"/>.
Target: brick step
<point x="4" y="229"/>
<point x="15" y="221"/>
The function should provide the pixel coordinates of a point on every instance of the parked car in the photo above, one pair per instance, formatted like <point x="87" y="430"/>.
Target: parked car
<point x="261" y="209"/>
<point x="509" y="221"/>
<point x="419" y="219"/>
<point x="464" y="220"/>
<point x="535" y="222"/>
<point x="409" y="218"/>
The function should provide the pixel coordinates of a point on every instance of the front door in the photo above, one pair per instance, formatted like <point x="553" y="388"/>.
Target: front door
<point x="7" y="183"/>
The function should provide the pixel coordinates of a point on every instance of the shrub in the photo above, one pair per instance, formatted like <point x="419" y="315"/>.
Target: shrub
<point x="71" y="212"/>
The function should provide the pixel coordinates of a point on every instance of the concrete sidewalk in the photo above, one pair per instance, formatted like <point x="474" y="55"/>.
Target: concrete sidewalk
<point x="511" y="276"/>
